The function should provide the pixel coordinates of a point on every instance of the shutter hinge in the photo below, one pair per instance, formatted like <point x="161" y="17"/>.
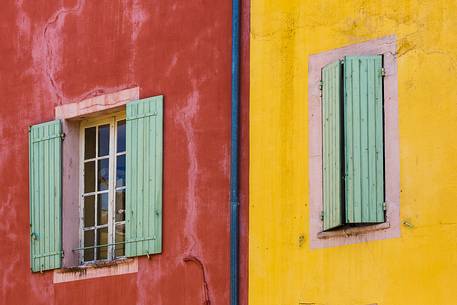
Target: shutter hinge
<point x="322" y="215"/>
<point x="383" y="72"/>
<point x="384" y="206"/>
<point x="63" y="254"/>
<point x="321" y="84"/>
<point x="62" y="136"/>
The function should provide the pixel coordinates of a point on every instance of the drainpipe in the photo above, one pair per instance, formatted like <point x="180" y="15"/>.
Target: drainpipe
<point x="234" y="190"/>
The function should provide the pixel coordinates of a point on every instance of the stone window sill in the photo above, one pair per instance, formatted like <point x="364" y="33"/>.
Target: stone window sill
<point x="95" y="270"/>
<point x="352" y="231"/>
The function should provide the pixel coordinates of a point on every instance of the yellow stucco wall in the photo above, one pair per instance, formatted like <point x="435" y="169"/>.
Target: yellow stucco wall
<point x="421" y="266"/>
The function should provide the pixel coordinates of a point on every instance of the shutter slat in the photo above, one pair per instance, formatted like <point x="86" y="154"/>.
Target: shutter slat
<point x="45" y="195"/>
<point x="332" y="145"/>
<point x="144" y="177"/>
<point x="363" y="129"/>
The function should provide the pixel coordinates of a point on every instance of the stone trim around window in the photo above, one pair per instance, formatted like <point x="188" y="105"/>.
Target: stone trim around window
<point x="96" y="270"/>
<point x="391" y="228"/>
<point x="71" y="115"/>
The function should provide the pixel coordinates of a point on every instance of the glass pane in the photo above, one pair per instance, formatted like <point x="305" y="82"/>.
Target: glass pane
<point x="103" y="174"/>
<point x="89" y="211"/>
<point x="120" y="136"/>
<point x="120" y="205"/>
<point x="103" y="140"/>
<point x="120" y="171"/>
<point x="102" y="239"/>
<point x="102" y="211"/>
<point x="120" y="237"/>
<point x="89" y="143"/>
<point x="89" y="242"/>
<point x="89" y="177"/>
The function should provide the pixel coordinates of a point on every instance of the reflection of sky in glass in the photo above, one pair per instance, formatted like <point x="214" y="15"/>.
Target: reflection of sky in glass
<point x="121" y="136"/>
<point x="103" y="140"/>
<point x="120" y="171"/>
<point x="103" y="174"/>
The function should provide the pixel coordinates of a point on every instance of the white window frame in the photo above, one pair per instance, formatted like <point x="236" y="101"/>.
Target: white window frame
<point x="112" y="120"/>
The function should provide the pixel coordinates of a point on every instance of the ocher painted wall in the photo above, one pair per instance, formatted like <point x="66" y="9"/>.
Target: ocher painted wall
<point x="421" y="266"/>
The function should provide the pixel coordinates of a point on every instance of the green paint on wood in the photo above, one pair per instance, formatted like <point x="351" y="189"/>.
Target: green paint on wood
<point x="45" y="171"/>
<point x="144" y="176"/>
<point x="332" y="145"/>
<point x="363" y="136"/>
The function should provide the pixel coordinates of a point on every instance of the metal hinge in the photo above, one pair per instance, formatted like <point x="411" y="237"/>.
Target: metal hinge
<point x="321" y="84"/>
<point x="383" y="72"/>
<point x="62" y="136"/>
<point x="322" y="215"/>
<point x="384" y="206"/>
<point x="63" y="254"/>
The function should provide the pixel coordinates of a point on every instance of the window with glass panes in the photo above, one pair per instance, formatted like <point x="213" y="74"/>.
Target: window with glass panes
<point x="103" y="188"/>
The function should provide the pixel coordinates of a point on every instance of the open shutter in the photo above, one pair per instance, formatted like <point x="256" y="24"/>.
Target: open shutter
<point x="45" y="171"/>
<point x="363" y="129"/>
<point x="332" y="145"/>
<point x="144" y="177"/>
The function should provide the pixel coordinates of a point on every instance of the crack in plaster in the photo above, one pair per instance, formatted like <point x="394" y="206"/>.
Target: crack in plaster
<point x="184" y="118"/>
<point x="56" y="21"/>
<point x="47" y="46"/>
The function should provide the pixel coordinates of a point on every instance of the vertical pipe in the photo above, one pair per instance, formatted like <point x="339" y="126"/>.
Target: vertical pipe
<point x="234" y="196"/>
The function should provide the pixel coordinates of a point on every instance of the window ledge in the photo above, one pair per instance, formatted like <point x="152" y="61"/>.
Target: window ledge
<point x="95" y="270"/>
<point x="346" y="232"/>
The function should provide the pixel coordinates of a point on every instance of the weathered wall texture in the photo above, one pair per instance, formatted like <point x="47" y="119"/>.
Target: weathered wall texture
<point x="418" y="268"/>
<point x="59" y="51"/>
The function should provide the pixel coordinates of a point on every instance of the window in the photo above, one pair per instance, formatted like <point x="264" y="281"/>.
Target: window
<point x="103" y="188"/>
<point x="353" y="142"/>
<point x="354" y="159"/>
<point x="102" y="201"/>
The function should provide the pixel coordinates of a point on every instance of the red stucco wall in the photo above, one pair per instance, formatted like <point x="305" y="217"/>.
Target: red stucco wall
<point x="54" y="52"/>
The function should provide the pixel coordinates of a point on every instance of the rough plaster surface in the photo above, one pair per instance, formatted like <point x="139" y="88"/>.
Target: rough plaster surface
<point x="59" y="52"/>
<point x="420" y="266"/>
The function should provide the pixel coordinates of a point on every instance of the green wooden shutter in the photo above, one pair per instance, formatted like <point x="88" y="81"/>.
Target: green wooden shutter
<point x="144" y="177"/>
<point x="332" y="145"/>
<point x="363" y="130"/>
<point x="45" y="170"/>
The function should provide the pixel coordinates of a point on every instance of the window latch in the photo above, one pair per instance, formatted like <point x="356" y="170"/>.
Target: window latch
<point x="34" y="236"/>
